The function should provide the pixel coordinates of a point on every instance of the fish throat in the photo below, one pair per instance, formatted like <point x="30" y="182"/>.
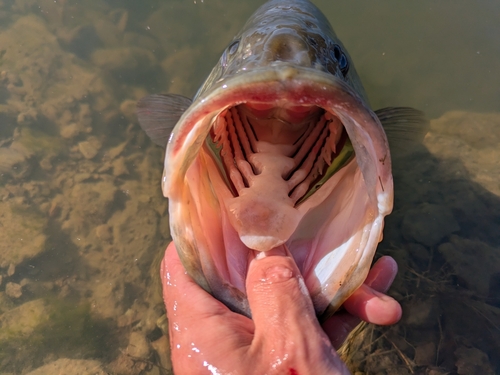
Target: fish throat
<point x="272" y="159"/>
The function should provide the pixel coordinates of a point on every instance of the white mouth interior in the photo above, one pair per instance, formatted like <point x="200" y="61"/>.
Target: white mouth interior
<point x="272" y="176"/>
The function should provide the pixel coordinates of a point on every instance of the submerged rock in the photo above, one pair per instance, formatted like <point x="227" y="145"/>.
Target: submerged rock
<point x="22" y="321"/>
<point x="22" y="236"/>
<point x="127" y="61"/>
<point x="69" y="366"/>
<point x="13" y="290"/>
<point x="428" y="224"/>
<point x="472" y="361"/>
<point x="474" y="262"/>
<point x="15" y="161"/>
<point x="473" y="138"/>
<point x="90" y="147"/>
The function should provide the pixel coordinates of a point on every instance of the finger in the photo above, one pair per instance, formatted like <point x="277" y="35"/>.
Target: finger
<point x="284" y="316"/>
<point x="339" y="326"/>
<point x="276" y="291"/>
<point x="382" y="274"/>
<point x="199" y="324"/>
<point x="369" y="301"/>
<point x="184" y="299"/>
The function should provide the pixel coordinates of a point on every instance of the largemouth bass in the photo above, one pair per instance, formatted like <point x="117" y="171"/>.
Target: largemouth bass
<point x="279" y="147"/>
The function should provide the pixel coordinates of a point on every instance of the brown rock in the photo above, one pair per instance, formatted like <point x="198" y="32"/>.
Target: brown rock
<point x="90" y="148"/>
<point x="104" y="232"/>
<point x="119" y="167"/>
<point x="428" y="224"/>
<point x="70" y="131"/>
<point x="71" y="366"/>
<point x="472" y="361"/>
<point x="138" y="346"/>
<point x="162" y="348"/>
<point x="13" y="290"/>
<point x="475" y="262"/>
<point x="420" y="313"/>
<point x="127" y="108"/>
<point x="425" y="354"/>
<point x="22" y="236"/>
<point x="11" y="270"/>
<point x="23" y="319"/>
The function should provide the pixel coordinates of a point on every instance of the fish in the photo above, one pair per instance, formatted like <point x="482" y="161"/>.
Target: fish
<point x="278" y="148"/>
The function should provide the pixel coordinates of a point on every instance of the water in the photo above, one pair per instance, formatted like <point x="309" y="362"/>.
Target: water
<point x="83" y="220"/>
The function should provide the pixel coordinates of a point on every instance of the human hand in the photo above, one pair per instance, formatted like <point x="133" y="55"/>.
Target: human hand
<point x="283" y="336"/>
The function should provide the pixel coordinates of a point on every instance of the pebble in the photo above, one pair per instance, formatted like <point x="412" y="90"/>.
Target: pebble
<point x="104" y="232"/>
<point x="472" y="361"/>
<point x="425" y="354"/>
<point x="162" y="348"/>
<point x="475" y="262"/>
<point x="11" y="270"/>
<point x="119" y="167"/>
<point x="138" y="346"/>
<point x="420" y="313"/>
<point x="13" y="290"/>
<point x="127" y="108"/>
<point x="70" y="131"/>
<point x="71" y="366"/>
<point x="90" y="148"/>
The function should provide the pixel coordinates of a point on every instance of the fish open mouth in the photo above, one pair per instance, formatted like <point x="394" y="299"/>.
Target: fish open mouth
<point x="305" y="144"/>
<point x="272" y="158"/>
<point x="280" y="157"/>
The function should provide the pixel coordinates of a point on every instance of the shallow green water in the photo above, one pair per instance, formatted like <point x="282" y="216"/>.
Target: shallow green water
<point x="83" y="221"/>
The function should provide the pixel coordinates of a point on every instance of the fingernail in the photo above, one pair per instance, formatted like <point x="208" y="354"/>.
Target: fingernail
<point x="278" y="273"/>
<point x="379" y="281"/>
<point x="381" y="296"/>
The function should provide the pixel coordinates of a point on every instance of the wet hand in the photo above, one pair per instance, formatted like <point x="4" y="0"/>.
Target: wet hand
<point x="284" y="336"/>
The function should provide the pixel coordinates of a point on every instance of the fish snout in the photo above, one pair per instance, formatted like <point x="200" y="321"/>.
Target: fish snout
<point x="287" y="47"/>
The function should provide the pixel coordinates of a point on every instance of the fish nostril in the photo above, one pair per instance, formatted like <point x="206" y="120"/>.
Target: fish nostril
<point x="283" y="47"/>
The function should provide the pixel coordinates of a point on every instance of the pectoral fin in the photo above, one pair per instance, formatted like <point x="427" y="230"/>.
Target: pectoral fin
<point x="404" y="127"/>
<point x="158" y="114"/>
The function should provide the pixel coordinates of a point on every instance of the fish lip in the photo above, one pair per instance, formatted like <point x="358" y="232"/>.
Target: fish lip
<point x="291" y="83"/>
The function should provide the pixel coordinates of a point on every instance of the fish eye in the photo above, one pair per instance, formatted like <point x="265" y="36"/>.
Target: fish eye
<point x="344" y="64"/>
<point x="336" y="52"/>
<point x="233" y="47"/>
<point x="341" y="59"/>
<point x="231" y="50"/>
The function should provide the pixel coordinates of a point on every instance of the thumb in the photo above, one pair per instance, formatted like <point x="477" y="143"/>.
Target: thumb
<point x="285" y="322"/>
<point x="277" y="294"/>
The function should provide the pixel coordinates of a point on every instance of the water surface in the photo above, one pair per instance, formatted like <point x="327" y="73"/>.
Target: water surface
<point x="83" y="221"/>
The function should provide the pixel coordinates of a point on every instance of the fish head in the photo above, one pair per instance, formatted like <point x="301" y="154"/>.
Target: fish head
<point x="279" y="148"/>
<point x="279" y="32"/>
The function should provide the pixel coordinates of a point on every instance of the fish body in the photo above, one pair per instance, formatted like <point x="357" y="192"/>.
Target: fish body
<point x="279" y="147"/>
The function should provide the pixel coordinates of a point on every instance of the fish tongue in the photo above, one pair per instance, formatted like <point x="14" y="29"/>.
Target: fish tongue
<point x="263" y="215"/>
<point x="261" y="221"/>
